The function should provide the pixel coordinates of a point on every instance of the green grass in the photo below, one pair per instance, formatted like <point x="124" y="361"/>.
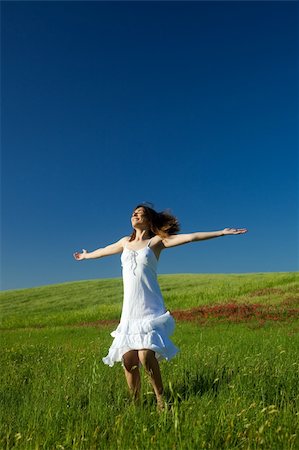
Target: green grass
<point x="233" y="385"/>
<point x="88" y="301"/>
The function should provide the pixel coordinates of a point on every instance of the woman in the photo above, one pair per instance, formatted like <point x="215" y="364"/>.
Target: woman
<point x="142" y="335"/>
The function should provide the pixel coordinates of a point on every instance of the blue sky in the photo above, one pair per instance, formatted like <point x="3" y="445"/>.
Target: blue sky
<point x="192" y="106"/>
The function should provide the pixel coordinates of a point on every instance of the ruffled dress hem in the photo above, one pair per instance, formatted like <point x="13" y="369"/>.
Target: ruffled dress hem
<point x="150" y="334"/>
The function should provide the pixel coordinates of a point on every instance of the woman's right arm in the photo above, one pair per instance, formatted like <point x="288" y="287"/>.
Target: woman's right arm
<point x="111" y="249"/>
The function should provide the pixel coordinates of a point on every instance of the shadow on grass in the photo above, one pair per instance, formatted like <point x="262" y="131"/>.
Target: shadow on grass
<point x="200" y="383"/>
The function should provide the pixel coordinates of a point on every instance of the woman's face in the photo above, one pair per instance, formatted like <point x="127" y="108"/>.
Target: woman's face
<point x="139" y="219"/>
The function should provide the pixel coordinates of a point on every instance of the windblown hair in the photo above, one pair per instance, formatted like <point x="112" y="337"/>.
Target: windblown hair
<point x="161" y="223"/>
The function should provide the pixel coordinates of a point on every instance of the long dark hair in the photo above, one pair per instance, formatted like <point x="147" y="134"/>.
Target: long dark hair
<point x="160" y="223"/>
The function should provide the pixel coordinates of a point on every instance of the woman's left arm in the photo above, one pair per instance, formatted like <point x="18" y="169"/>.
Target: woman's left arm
<point x="180" y="239"/>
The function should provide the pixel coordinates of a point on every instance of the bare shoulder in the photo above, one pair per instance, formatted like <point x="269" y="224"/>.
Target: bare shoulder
<point x="119" y="245"/>
<point x="123" y="241"/>
<point x="156" y="245"/>
<point x="156" y="241"/>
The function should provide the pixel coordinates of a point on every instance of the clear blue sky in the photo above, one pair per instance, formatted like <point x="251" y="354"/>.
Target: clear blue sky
<point x="192" y="106"/>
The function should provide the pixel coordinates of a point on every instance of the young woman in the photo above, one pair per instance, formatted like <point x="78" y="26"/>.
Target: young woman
<point x="142" y="335"/>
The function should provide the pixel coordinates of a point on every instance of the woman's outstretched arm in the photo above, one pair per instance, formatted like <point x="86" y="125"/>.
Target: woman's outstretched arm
<point x="180" y="239"/>
<point x="111" y="249"/>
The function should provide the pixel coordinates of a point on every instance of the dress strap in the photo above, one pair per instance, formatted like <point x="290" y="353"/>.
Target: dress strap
<point x="149" y="243"/>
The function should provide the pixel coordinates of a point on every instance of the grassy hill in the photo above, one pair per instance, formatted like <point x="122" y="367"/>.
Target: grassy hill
<point x="233" y="385"/>
<point x="89" y="301"/>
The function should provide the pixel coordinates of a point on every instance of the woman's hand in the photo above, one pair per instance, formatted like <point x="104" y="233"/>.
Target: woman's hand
<point x="234" y="231"/>
<point x="79" y="256"/>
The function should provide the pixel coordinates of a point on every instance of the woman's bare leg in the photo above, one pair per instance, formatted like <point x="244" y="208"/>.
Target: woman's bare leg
<point x="151" y="365"/>
<point x="131" y="366"/>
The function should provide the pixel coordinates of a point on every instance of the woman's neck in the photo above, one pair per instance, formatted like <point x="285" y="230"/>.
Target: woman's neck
<point x="142" y="235"/>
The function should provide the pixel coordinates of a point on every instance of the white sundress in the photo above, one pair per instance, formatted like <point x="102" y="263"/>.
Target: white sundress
<point x="144" y="323"/>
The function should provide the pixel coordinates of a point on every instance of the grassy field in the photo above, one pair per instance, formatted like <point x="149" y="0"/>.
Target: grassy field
<point x="235" y="383"/>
